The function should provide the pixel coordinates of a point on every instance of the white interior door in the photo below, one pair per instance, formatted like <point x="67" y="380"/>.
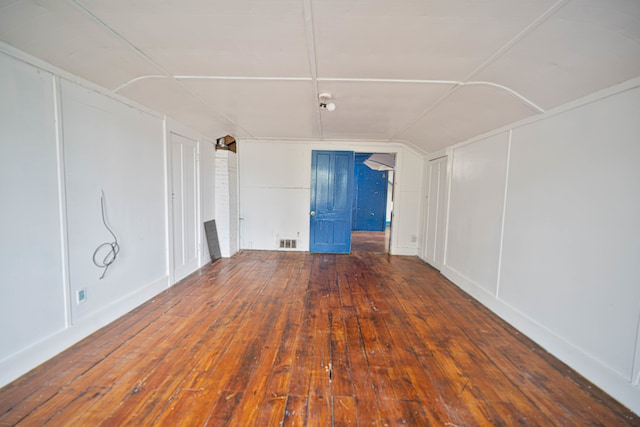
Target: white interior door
<point x="436" y="204"/>
<point x="184" y="204"/>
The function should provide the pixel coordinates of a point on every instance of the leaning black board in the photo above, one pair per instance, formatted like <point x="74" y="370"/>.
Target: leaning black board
<point x="212" y="239"/>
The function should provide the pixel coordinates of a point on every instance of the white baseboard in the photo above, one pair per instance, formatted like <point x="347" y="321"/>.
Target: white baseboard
<point x="595" y="371"/>
<point x="404" y="251"/>
<point x="19" y="363"/>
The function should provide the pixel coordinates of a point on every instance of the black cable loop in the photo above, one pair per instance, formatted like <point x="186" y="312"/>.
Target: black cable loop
<point x="112" y="253"/>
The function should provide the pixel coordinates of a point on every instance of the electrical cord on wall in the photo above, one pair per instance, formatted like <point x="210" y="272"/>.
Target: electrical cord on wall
<point x="112" y="248"/>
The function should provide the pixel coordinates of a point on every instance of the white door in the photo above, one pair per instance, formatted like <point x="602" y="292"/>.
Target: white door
<point x="436" y="203"/>
<point x="184" y="205"/>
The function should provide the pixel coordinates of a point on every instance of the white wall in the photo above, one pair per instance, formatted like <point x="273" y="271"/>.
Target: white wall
<point x="62" y="141"/>
<point x="407" y="203"/>
<point x="476" y="199"/>
<point x="207" y="191"/>
<point x="544" y="227"/>
<point x="30" y="216"/>
<point x="116" y="149"/>
<point x="227" y="202"/>
<point x="275" y="180"/>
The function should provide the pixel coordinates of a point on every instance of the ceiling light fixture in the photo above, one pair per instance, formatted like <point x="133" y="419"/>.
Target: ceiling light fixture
<point x="325" y="103"/>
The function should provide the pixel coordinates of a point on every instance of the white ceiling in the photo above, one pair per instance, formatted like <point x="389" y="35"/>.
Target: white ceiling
<point x="429" y="72"/>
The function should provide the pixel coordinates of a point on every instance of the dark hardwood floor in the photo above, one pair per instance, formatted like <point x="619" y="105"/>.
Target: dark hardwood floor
<point x="370" y="241"/>
<point x="288" y="338"/>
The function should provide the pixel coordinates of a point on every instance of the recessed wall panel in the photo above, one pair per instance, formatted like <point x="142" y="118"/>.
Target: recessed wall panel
<point x="571" y="247"/>
<point x="32" y="304"/>
<point x="478" y="180"/>
<point x="113" y="150"/>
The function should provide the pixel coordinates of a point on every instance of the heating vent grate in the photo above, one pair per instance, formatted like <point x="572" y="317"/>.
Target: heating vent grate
<point x="287" y="243"/>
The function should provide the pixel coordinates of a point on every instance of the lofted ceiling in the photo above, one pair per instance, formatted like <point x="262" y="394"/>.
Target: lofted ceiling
<point x="428" y="72"/>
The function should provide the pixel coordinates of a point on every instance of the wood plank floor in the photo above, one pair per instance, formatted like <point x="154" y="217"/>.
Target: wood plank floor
<point x="370" y="241"/>
<point x="284" y="338"/>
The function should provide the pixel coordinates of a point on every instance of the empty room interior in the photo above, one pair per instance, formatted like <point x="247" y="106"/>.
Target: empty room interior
<point x="320" y="212"/>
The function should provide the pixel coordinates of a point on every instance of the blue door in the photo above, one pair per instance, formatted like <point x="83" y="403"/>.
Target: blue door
<point x="331" y="201"/>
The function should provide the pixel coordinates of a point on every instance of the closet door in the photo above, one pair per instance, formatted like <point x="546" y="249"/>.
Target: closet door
<point x="184" y="204"/>
<point x="436" y="204"/>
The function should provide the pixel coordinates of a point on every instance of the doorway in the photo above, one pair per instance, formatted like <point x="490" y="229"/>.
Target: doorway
<point x="372" y="211"/>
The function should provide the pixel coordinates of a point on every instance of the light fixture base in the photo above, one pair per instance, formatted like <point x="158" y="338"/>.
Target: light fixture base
<point x="325" y="97"/>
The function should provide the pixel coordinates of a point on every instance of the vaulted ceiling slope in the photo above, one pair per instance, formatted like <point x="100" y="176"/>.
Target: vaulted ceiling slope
<point x="430" y="72"/>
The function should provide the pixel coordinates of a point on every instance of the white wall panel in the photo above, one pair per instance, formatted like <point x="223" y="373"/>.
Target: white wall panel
<point x="476" y="204"/>
<point x="275" y="193"/>
<point x="32" y="302"/>
<point x="571" y="246"/>
<point x="409" y="171"/>
<point x="407" y="203"/>
<point x="113" y="148"/>
<point x="271" y="214"/>
<point x="288" y="165"/>
<point x="406" y="222"/>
